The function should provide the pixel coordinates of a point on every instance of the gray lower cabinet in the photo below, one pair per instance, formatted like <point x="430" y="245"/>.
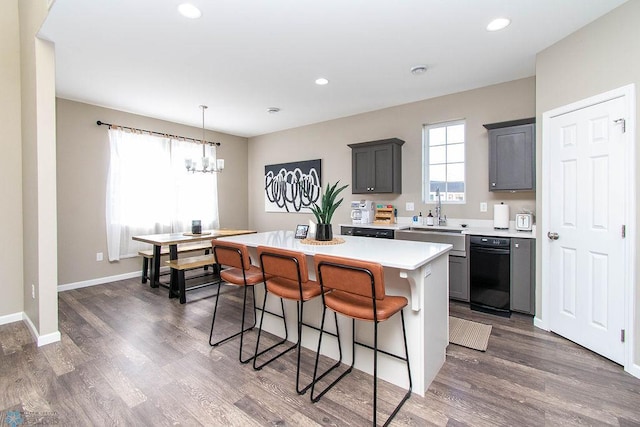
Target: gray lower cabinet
<point x="512" y="155"/>
<point x="376" y="166"/>
<point x="523" y="275"/>
<point x="459" y="278"/>
<point x="458" y="259"/>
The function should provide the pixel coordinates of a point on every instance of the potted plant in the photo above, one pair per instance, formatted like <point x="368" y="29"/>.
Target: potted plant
<point x="324" y="211"/>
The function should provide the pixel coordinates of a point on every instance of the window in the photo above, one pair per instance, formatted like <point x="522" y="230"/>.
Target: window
<point x="443" y="167"/>
<point x="150" y="191"/>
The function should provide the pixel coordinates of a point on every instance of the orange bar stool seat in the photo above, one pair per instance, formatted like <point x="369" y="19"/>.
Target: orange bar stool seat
<point x="286" y="276"/>
<point x="356" y="290"/>
<point x="239" y="272"/>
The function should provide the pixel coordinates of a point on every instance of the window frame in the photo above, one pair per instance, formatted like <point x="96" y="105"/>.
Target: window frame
<point x="426" y="165"/>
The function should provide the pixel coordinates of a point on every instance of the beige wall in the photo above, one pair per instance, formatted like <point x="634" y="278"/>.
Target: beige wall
<point x="10" y="161"/>
<point x="83" y="160"/>
<point x="328" y="141"/>
<point x="601" y="56"/>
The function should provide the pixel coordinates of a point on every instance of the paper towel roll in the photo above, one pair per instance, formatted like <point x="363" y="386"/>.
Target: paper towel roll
<point x="501" y="216"/>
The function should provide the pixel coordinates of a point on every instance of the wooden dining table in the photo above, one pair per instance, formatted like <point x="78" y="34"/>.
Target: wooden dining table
<point x="173" y="240"/>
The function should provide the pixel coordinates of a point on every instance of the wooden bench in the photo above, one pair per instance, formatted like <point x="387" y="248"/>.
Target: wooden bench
<point x="164" y="251"/>
<point x="188" y="263"/>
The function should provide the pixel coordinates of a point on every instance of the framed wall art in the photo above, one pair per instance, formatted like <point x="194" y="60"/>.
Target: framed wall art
<point x="292" y="187"/>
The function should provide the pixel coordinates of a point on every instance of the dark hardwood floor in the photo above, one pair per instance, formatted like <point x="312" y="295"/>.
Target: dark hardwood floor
<point x="131" y="356"/>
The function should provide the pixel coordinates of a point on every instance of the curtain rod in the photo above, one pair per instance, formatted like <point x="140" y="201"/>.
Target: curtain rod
<point x="185" y="138"/>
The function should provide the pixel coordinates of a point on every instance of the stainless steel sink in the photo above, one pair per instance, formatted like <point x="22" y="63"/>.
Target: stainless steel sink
<point x="436" y="229"/>
<point x="437" y="235"/>
<point x="443" y="230"/>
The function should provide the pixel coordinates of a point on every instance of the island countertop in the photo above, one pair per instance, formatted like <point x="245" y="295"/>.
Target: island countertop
<point x="401" y="254"/>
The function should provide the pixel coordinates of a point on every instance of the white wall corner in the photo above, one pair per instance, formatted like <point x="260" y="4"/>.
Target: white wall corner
<point x="40" y="339"/>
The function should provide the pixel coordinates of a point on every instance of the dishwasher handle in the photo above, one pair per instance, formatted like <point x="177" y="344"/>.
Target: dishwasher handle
<point x="488" y="250"/>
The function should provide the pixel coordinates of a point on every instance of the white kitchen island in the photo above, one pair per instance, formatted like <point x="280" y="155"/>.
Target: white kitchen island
<point x="417" y="270"/>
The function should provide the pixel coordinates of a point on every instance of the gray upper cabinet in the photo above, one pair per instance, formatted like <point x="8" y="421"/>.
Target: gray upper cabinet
<point x="376" y="166"/>
<point x="512" y="155"/>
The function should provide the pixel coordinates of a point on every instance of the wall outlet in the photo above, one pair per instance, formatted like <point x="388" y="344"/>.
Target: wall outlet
<point x="410" y="206"/>
<point x="33" y="291"/>
<point x="483" y="207"/>
<point x="99" y="256"/>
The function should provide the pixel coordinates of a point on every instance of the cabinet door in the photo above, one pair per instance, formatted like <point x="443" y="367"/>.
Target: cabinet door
<point x="458" y="278"/>
<point x="523" y="275"/>
<point x="511" y="158"/>
<point x="382" y="168"/>
<point x="361" y="170"/>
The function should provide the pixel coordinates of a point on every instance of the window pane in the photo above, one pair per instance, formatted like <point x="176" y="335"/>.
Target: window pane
<point x="455" y="153"/>
<point x="455" y="172"/>
<point x="438" y="173"/>
<point x="437" y="136"/>
<point x="455" y="133"/>
<point x="437" y="154"/>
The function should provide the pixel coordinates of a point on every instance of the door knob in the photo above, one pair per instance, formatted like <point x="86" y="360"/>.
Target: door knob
<point x="552" y="236"/>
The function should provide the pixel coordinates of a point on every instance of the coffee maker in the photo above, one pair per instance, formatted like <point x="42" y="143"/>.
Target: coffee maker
<point x="362" y="211"/>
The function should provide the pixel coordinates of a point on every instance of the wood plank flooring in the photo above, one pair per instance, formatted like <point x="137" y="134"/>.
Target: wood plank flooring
<point x="130" y="356"/>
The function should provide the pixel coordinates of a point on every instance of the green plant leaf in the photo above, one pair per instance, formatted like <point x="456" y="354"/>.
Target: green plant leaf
<point x="328" y="205"/>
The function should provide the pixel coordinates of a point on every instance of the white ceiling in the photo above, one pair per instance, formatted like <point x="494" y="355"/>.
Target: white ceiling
<point x="243" y="56"/>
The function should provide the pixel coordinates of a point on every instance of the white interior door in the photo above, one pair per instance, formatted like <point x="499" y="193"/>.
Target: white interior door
<point x="585" y="230"/>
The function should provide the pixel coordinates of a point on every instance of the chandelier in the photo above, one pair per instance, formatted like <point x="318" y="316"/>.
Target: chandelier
<point x="208" y="164"/>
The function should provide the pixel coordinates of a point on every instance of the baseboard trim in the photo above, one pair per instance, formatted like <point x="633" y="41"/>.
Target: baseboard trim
<point x="10" y="318"/>
<point x="539" y="323"/>
<point x="633" y="369"/>
<point x="40" y="339"/>
<point x="49" y="338"/>
<point x="103" y="280"/>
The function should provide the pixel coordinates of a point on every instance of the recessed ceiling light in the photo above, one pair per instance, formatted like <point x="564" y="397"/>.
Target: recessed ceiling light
<point x="273" y="110"/>
<point x="498" y="24"/>
<point x="322" y="81"/>
<point x="189" y="11"/>
<point x="418" y="69"/>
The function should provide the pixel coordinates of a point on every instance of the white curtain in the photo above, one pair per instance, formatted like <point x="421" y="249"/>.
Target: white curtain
<point x="195" y="194"/>
<point x="149" y="191"/>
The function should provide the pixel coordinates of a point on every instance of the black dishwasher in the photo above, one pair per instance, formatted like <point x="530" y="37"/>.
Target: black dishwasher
<point x="489" y="271"/>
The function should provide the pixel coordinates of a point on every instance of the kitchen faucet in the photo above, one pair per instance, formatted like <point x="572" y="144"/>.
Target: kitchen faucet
<point x="439" y="218"/>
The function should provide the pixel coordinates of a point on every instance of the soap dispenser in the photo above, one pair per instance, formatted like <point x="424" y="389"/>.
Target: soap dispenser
<point x="430" y="218"/>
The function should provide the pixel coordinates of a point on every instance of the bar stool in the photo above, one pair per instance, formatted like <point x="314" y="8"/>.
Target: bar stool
<point x="240" y="273"/>
<point x="356" y="289"/>
<point x="287" y="277"/>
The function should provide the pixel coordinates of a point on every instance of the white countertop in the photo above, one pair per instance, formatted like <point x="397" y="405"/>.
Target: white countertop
<point x="475" y="227"/>
<point x="492" y="232"/>
<point x="380" y="226"/>
<point x="401" y="254"/>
